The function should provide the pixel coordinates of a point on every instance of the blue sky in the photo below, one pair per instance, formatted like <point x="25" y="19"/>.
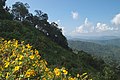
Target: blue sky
<point x="80" y="17"/>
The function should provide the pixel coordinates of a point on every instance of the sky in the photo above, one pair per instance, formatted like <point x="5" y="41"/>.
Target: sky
<point x="80" y="17"/>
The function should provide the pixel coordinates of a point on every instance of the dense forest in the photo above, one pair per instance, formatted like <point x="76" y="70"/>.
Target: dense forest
<point x="103" y="50"/>
<point x="34" y="29"/>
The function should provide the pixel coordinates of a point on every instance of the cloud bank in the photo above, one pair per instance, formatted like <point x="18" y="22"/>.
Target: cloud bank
<point x="88" y="28"/>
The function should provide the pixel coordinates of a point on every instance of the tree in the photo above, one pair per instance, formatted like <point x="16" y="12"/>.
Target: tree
<point x="2" y="3"/>
<point x="57" y="36"/>
<point x="4" y="11"/>
<point x="41" y="15"/>
<point x="45" y="17"/>
<point x="20" y="10"/>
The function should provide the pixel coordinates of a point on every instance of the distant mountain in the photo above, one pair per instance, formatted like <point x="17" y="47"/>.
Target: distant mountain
<point x="84" y="38"/>
<point x="115" y="42"/>
<point x="102" y="40"/>
<point x="96" y="48"/>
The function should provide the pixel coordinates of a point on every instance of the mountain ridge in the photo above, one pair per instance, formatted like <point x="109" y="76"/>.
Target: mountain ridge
<point x="94" y="48"/>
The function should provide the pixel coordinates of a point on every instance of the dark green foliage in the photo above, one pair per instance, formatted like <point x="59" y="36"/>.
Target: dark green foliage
<point x="2" y="3"/>
<point x="20" y="10"/>
<point x="41" y="15"/>
<point x="97" y="63"/>
<point x="50" y="30"/>
<point x="4" y="14"/>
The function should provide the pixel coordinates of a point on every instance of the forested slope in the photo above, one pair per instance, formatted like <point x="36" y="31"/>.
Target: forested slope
<point x="48" y="39"/>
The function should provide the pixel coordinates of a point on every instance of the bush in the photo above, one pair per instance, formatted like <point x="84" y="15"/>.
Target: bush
<point x="19" y="62"/>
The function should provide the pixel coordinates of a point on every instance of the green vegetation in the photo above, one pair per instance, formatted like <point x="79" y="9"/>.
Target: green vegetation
<point x="19" y="61"/>
<point x="108" y="52"/>
<point x="48" y="39"/>
<point x="105" y="51"/>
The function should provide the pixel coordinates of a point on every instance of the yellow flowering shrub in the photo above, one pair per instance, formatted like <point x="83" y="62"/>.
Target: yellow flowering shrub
<point x="19" y="62"/>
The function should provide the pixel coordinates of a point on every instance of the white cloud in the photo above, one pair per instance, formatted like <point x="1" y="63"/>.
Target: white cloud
<point x="116" y="19"/>
<point x="75" y="15"/>
<point x="89" y="28"/>
<point x="85" y="28"/>
<point x="103" y="27"/>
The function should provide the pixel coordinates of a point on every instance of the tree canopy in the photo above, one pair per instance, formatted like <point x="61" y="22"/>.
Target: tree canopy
<point x="20" y="10"/>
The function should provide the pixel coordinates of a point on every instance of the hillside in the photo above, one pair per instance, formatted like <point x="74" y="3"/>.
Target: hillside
<point x="48" y="39"/>
<point x="54" y="54"/>
<point x="108" y="52"/>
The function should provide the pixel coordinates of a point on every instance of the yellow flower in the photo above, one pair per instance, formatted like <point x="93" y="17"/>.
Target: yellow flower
<point x="20" y="63"/>
<point x="50" y="75"/>
<point x="16" y="59"/>
<point x="22" y="50"/>
<point x="8" y="59"/>
<point x="16" y="68"/>
<point x="57" y="71"/>
<point x="30" y="73"/>
<point x="44" y="79"/>
<point x="64" y="79"/>
<point x="31" y="57"/>
<point x="33" y="64"/>
<point x="7" y="75"/>
<point x="84" y="74"/>
<point x="21" y="57"/>
<point x="31" y="51"/>
<point x="22" y="42"/>
<point x="7" y="64"/>
<point x="85" y="77"/>
<point x="5" y="41"/>
<point x="9" y="42"/>
<point x="13" y="54"/>
<point x="28" y="46"/>
<point x="2" y="38"/>
<point x="13" y="62"/>
<point x="36" y="61"/>
<point x="46" y="69"/>
<point x="27" y="74"/>
<point x="78" y="75"/>
<point x="36" y="52"/>
<point x="65" y="72"/>
<point x="16" y="43"/>
<point x="38" y="56"/>
<point x="1" y="68"/>
<point x="71" y="78"/>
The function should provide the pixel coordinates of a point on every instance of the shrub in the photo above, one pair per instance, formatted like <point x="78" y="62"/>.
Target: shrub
<point x="19" y="62"/>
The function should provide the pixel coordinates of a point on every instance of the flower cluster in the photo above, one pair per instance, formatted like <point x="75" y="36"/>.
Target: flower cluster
<point x="19" y="62"/>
